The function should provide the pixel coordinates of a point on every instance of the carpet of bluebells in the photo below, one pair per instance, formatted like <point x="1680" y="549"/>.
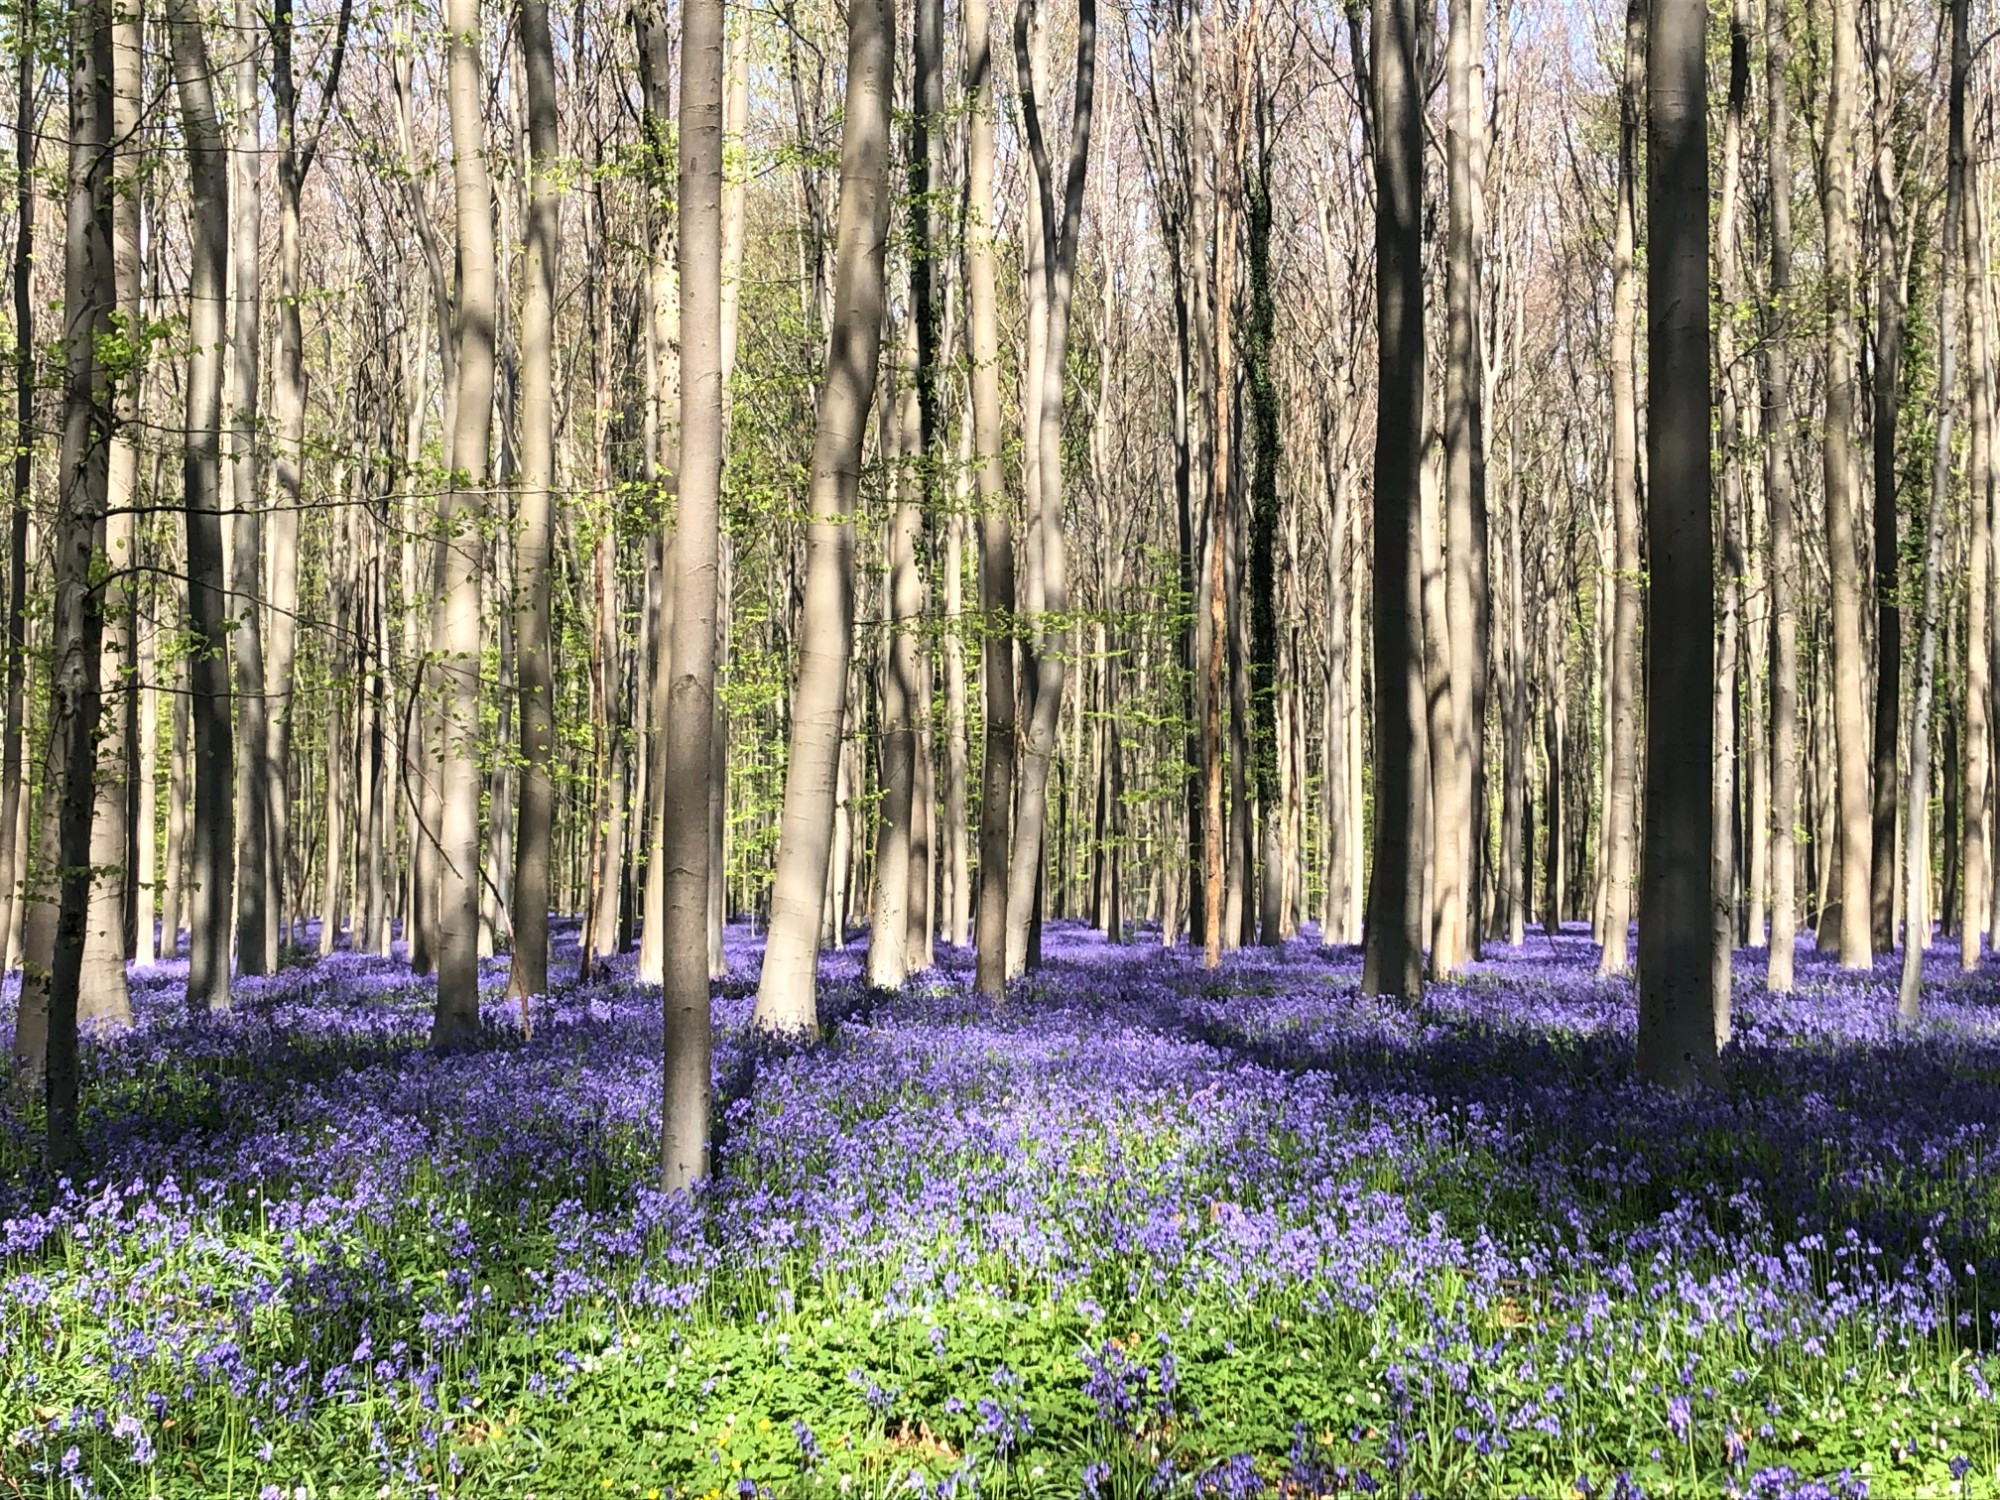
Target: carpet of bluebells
<point x="1142" y="1230"/>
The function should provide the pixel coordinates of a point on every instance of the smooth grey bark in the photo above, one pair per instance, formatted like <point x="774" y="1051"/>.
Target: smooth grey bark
<point x="1975" y="906"/>
<point x="535" y="511"/>
<point x="786" y="993"/>
<point x="1734" y="549"/>
<point x="1676" y="1043"/>
<point x="1621" y="829"/>
<point x="1465" y="466"/>
<point x="996" y="526"/>
<point x="212" y="823"/>
<point x="27" y="123"/>
<point x="1851" y="903"/>
<point x="1778" y="486"/>
<point x="955" y="829"/>
<point x="455" y="621"/>
<point x="1060" y="229"/>
<point x="888" y="930"/>
<point x="1916" y="832"/>
<point x="689" y="766"/>
<point x="1393" y="961"/>
<point x="173" y="893"/>
<point x="246" y="635"/>
<point x="1446" y="847"/>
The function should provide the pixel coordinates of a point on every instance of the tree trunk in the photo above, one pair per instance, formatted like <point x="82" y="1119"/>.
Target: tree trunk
<point x="1622" y="709"/>
<point x="956" y="850"/>
<point x="1467" y="601"/>
<point x="455" y="620"/>
<point x="212" y="866"/>
<point x="888" y="935"/>
<point x="1778" y="485"/>
<point x="535" y="507"/>
<point x="996" y="528"/>
<point x="1726" y="768"/>
<point x="1891" y="319"/>
<point x="1676" y="1045"/>
<point x="1852" y="901"/>
<point x="288" y="400"/>
<point x="27" y="129"/>
<point x="689" y="766"/>
<point x="1059" y="241"/>
<point x="1447" y="842"/>
<point x="1916" y="898"/>
<point x="786" y="993"/>
<point x="1393" y="962"/>
<point x="1260" y="335"/>
<point x="1975" y="906"/>
<point x="90" y="297"/>
<point x="103" y="995"/>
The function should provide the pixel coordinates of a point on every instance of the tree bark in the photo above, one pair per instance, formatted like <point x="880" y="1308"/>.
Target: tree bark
<point x="1622" y="708"/>
<point x="888" y="934"/>
<point x="996" y="527"/>
<point x="1394" y="958"/>
<point x="1729" y="432"/>
<point x="1891" y="320"/>
<point x="1676" y="1045"/>
<point x="90" y="296"/>
<point x="1059" y="233"/>
<point x="1852" y="902"/>
<point x="288" y="401"/>
<point x="786" y="993"/>
<point x="1260" y="335"/>
<point x="1916" y="859"/>
<point x="1975" y="905"/>
<point x="1465" y="465"/>
<point x="689" y="766"/>
<point x="455" y="620"/>
<point x="246" y="634"/>
<point x="535" y="506"/>
<point x="1778" y="485"/>
<point x="27" y="123"/>
<point x="211" y="871"/>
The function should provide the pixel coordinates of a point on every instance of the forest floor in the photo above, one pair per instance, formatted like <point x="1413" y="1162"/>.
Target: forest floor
<point x="1143" y="1230"/>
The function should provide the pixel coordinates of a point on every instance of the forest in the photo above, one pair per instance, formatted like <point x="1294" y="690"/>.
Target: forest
<point x="951" y="748"/>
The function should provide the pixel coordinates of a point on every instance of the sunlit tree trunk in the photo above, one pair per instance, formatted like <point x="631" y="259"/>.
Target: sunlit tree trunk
<point x="786" y="994"/>
<point x="455" y="621"/>
<point x="1621" y="827"/>
<point x="1465" y="467"/>
<point x="689" y="767"/>
<point x="1974" y="904"/>
<point x="1778" y="485"/>
<point x="246" y="634"/>
<point x="1726" y="769"/>
<point x="1061" y="223"/>
<point x="27" y="119"/>
<point x="1850" y="904"/>
<point x="888" y="936"/>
